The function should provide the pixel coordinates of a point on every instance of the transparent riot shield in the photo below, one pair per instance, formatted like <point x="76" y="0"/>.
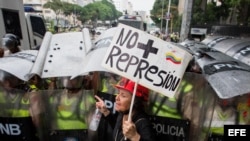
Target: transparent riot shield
<point x="181" y="118"/>
<point x="63" y="115"/>
<point x="15" y="119"/>
<point x="227" y="113"/>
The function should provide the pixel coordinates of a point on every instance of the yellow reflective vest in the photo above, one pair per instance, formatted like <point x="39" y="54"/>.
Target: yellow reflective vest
<point x="71" y="112"/>
<point x="14" y="106"/>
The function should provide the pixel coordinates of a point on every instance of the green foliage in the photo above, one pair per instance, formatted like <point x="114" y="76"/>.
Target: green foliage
<point x="203" y="12"/>
<point x="211" y="15"/>
<point x="102" y="10"/>
<point x="243" y="6"/>
<point x="99" y="11"/>
<point x="160" y="8"/>
<point x="55" y="5"/>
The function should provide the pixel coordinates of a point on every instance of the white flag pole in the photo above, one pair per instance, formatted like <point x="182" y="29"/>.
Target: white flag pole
<point x="132" y="102"/>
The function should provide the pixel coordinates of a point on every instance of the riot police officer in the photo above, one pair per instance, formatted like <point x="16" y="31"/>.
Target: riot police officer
<point x="12" y="43"/>
<point x="15" y="110"/>
<point x="71" y="108"/>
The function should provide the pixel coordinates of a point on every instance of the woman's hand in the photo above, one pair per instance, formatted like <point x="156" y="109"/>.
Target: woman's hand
<point x="129" y="131"/>
<point x="101" y="106"/>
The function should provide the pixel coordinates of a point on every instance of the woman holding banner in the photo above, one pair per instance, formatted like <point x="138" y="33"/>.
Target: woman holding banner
<point x="139" y="127"/>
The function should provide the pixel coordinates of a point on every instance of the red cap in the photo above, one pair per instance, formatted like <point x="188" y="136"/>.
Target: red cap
<point x="128" y="85"/>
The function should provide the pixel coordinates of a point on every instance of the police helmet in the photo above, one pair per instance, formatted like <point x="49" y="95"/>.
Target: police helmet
<point x="12" y="80"/>
<point x="74" y="83"/>
<point x="10" y="41"/>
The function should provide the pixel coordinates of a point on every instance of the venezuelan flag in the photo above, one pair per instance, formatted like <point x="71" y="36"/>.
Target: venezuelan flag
<point x="171" y="57"/>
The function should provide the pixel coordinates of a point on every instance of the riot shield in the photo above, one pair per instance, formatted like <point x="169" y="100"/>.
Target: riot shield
<point x="181" y="118"/>
<point x="63" y="115"/>
<point x="15" y="119"/>
<point x="227" y="113"/>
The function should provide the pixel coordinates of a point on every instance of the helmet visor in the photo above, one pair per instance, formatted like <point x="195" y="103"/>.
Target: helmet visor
<point x="7" y="43"/>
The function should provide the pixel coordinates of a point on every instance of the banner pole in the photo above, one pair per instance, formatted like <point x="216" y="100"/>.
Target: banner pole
<point x="132" y="102"/>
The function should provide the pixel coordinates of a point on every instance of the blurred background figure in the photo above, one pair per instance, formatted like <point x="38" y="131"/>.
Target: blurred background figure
<point x="174" y="37"/>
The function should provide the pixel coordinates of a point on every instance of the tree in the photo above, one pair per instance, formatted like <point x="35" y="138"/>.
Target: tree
<point x="102" y="10"/>
<point x="56" y="6"/>
<point x="160" y="8"/>
<point x="243" y="7"/>
<point x="226" y="13"/>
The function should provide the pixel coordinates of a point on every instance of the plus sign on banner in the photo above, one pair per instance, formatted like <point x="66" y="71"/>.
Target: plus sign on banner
<point x="146" y="59"/>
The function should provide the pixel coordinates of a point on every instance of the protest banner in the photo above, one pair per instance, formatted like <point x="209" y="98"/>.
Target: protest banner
<point x="137" y="55"/>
